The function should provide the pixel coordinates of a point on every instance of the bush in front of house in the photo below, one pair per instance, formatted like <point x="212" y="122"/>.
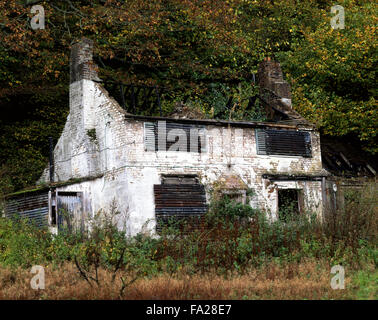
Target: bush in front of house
<point x="22" y="244"/>
<point x="231" y="237"/>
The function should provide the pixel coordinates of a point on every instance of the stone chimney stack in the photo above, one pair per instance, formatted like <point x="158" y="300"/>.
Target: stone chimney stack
<point x="81" y="62"/>
<point x="273" y="87"/>
<point x="83" y="73"/>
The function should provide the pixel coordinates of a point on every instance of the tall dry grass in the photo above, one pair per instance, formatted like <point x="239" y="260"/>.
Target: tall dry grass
<point x="307" y="280"/>
<point x="239" y="255"/>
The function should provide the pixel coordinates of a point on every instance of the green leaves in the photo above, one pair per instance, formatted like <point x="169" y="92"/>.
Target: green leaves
<point x="333" y="75"/>
<point x="184" y="45"/>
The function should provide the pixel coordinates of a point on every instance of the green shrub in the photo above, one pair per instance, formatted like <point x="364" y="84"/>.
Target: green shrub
<point x="22" y="244"/>
<point x="231" y="236"/>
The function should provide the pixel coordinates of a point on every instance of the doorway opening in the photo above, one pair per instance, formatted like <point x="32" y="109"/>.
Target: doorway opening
<point x="290" y="203"/>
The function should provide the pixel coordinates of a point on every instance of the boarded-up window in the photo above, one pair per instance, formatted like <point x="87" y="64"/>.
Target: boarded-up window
<point x="172" y="136"/>
<point x="179" y="198"/>
<point x="283" y="142"/>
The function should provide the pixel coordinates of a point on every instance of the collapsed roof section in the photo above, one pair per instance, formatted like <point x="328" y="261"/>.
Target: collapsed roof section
<point x="274" y="95"/>
<point x="345" y="157"/>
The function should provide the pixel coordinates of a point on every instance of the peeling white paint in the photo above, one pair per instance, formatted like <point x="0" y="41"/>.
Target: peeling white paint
<point x="128" y="172"/>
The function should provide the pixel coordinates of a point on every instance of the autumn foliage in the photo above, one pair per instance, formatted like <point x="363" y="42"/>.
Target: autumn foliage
<point x="187" y="46"/>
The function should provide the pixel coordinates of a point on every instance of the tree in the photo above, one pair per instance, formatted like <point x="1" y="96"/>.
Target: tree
<point x="199" y="49"/>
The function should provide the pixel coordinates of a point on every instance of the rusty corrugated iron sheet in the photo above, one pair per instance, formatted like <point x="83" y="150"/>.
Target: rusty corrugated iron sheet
<point x="33" y="206"/>
<point x="178" y="201"/>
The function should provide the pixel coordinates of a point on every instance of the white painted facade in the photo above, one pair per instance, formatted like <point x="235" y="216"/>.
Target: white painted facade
<point x="106" y="148"/>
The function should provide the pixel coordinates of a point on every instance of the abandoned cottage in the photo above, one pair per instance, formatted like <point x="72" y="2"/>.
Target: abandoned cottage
<point x="152" y="168"/>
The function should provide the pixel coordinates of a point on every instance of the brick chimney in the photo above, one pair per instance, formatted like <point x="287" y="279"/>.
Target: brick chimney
<point x="81" y="62"/>
<point x="273" y="87"/>
<point x="83" y="73"/>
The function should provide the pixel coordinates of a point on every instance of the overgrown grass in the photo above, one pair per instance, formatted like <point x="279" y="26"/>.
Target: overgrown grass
<point x="307" y="280"/>
<point x="232" y="242"/>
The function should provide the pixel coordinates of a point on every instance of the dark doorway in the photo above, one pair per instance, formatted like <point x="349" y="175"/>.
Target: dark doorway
<point x="288" y="203"/>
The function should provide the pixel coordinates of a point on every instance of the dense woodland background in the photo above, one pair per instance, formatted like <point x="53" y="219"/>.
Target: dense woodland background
<point x="201" y="49"/>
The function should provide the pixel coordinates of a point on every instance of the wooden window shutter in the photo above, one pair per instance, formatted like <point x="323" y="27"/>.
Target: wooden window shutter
<point x="283" y="142"/>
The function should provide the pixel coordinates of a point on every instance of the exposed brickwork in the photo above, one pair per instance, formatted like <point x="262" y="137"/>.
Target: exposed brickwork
<point x="270" y="76"/>
<point x="129" y="172"/>
<point x="81" y="62"/>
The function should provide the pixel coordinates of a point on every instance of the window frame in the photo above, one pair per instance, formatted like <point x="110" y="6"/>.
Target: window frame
<point x="164" y="205"/>
<point x="263" y="147"/>
<point x="150" y="130"/>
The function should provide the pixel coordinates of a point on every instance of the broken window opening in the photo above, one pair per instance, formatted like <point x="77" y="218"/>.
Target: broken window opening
<point x="238" y="196"/>
<point x="290" y="203"/>
<point x="179" y="179"/>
